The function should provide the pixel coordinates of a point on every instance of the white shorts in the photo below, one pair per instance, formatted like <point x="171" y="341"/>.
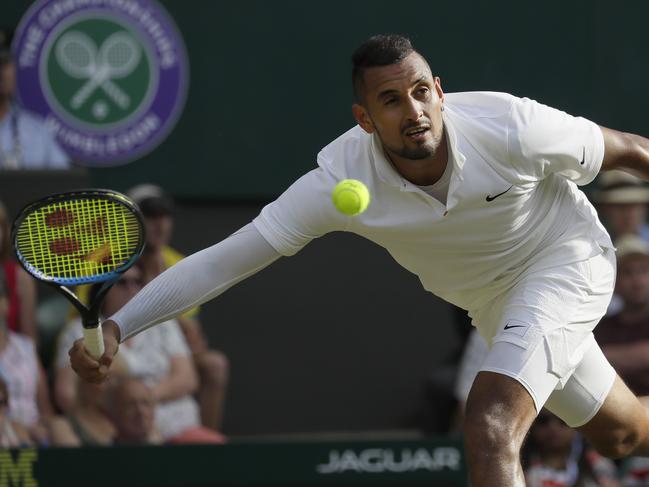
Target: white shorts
<point x="545" y="338"/>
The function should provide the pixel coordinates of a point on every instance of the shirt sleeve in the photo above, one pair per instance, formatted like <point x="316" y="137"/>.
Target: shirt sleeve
<point x="302" y="213"/>
<point x="543" y="141"/>
<point x="196" y="279"/>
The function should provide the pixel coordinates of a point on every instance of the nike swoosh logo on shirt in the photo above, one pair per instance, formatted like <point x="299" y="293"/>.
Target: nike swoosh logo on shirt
<point x="491" y="198"/>
<point x="508" y="326"/>
<point x="583" y="157"/>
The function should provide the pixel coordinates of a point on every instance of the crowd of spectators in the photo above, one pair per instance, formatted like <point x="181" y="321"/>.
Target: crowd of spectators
<point x="168" y="387"/>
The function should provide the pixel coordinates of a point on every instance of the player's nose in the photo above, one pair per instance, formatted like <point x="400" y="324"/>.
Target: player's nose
<point x="414" y="110"/>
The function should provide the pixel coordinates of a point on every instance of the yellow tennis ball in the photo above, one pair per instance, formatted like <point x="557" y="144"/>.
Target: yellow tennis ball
<point x="350" y="197"/>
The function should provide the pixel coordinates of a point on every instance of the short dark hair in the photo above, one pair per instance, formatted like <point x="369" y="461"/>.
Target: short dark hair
<point x="378" y="50"/>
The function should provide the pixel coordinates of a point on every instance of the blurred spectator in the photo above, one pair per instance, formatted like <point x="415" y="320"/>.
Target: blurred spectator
<point x="621" y="201"/>
<point x="556" y="456"/>
<point x="19" y="366"/>
<point x="88" y="424"/>
<point x="131" y="405"/>
<point x="21" y="287"/>
<point x="159" y="356"/>
<point x="634" y="472"/>
<point x="212" y="365"/>
<point x="25" y="140"/>
<point x="624" y="336"/>
<point x="12" y="434"/>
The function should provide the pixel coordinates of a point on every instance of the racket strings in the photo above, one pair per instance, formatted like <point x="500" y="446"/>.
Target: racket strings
<point x="78" y="239"/>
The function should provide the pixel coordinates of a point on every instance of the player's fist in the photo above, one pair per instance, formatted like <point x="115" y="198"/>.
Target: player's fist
<point x="87" y="367"/>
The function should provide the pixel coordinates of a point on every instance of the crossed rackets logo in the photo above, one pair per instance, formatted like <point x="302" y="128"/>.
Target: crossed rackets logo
<point x="116" y="58"/>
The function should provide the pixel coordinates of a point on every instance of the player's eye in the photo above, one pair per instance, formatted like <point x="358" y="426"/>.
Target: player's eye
<point x="390" y="101"/>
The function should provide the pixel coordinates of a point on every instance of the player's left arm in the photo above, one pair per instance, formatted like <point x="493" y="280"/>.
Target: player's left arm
<point x="625" y="151"/>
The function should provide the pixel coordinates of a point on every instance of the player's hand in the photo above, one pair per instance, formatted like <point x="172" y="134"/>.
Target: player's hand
<point x="88" y="368"/>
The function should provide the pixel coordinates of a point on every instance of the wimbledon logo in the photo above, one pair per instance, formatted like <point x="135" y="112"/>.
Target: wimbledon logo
<point x="109" y="76"/>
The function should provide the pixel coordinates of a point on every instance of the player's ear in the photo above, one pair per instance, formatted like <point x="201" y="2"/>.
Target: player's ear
<point x="438" y="88"/>
<point x="363" y="118"/>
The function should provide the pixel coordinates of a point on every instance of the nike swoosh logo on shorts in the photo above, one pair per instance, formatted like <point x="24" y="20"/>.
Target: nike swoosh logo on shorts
<point x="583" y="157"/>
<point x="491" y="198"/>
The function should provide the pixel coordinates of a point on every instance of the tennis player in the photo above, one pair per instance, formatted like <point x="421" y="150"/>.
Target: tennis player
<point x="477" y="194"/>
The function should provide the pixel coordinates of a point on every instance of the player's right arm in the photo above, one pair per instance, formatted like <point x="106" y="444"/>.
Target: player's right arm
<point x="301" y="214"/>
<point x="627" y="152"/>
<point x="190" y="282"/>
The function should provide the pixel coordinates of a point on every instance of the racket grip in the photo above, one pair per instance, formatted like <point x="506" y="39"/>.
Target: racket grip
<point x="93" y="340"/>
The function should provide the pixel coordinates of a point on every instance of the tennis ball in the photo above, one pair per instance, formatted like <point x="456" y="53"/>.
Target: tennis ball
<point x="350" y="197"/>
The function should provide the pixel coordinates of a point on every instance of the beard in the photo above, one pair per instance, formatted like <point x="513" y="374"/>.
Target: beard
<point x="416" y="153"/>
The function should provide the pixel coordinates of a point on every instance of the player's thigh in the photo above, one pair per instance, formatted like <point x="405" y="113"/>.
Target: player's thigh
<point x="585" y="392"/>
<point x="598" y="403"/>
<point x="511" y="387"/>
<point x="528" y="363"/>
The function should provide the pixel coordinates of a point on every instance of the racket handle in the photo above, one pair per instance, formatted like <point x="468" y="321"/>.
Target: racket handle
<point x="93" y="340"/>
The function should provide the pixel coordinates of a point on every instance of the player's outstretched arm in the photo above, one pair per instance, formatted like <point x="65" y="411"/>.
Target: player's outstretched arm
<point x="192" y="281"/>
<point x="626" y="151"/>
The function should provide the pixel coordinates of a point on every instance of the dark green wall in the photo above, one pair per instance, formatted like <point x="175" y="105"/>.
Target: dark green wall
<point x="270" y="79"/>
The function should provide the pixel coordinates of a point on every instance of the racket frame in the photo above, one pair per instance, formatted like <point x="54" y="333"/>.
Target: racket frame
<point x="89" y="313"/>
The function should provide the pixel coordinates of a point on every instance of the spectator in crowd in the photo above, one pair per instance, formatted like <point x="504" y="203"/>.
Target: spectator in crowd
<point x="25" y="140"/>
<point x="88" y="423"/>
<point x="160" y="357"/>
<point x="622" y="201"/>
<point x="19" y="366"/>
<point x="624" y="335"/>
<point x="21" y="287"/>
<point x="212" y="365"/>
<point x="131" y="405"/>
<point x="12" y="433"/>
<point x="556" y="456"/>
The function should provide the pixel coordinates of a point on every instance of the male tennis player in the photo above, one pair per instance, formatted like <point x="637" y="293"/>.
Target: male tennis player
<point x="476" y="193"/>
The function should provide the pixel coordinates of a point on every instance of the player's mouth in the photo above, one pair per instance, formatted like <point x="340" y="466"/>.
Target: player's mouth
<point x="417" y="133"/>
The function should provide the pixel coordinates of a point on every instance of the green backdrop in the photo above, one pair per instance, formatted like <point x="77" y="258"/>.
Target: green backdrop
<point x="270" y="80"/>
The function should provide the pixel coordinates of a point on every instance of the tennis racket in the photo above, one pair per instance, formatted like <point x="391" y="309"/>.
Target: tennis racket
<point x="80" y="237"/>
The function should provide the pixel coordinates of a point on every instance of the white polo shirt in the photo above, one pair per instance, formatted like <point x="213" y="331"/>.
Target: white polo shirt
<point x="512" y="202"/>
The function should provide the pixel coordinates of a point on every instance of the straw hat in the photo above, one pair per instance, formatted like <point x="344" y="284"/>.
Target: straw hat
<point x="630" y="244"/>
<point x="621" y="187"/>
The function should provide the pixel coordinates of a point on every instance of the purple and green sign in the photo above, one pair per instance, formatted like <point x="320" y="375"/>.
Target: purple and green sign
<point x="109" y="76"/>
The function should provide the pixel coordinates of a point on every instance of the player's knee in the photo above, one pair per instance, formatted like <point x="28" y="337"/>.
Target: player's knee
<point x="618" y="443"/>
<point x="214" y="367"/>
<point x="490" y="431"/>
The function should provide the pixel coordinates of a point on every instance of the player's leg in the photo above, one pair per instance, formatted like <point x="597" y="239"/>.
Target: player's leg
<point x="621" y="426"/>
<point x="512" y="386"/>
<point x="597" y="403"/>
<point x="499" y="413"/>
